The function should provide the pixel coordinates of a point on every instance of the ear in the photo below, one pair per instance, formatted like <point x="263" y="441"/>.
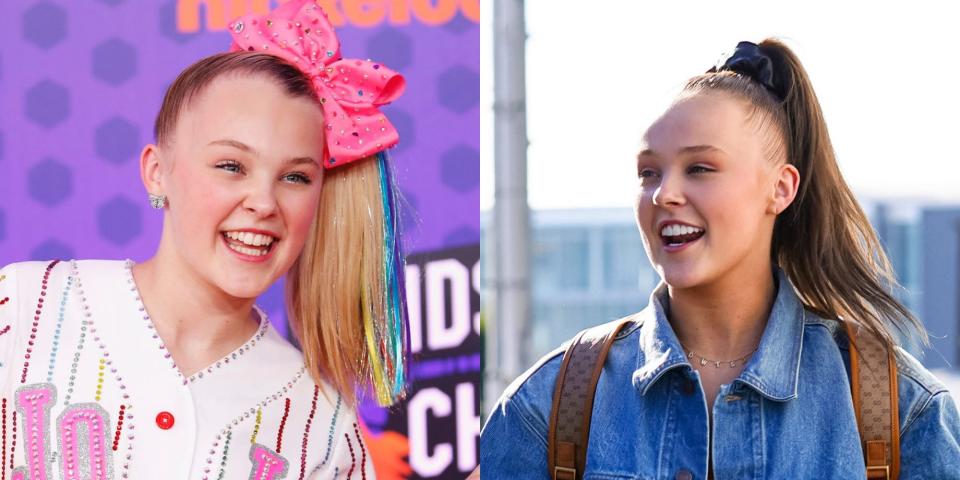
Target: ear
<point x="151" y="169"/>
<point x="785" y="189"/>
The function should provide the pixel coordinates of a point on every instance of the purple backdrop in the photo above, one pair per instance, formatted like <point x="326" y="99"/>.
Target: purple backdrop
<point x="81" y="83"/>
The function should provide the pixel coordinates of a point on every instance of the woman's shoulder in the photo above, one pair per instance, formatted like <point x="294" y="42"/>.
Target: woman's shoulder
<point x="527" y="402"/>
<point x="533" y="389"/>
<point x="25" y="269"/>
<point x="43" y="264"/>
<point x="22" y="283"/>
<point x="917" y="386"/>
<point x="544" y="371"/>
<point x="31" y="270"/>
<point x="538" y="376"/>
<point x="910" y="371"/>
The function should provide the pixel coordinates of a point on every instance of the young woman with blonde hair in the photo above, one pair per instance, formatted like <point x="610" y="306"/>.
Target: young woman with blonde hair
<point x="740" y="365"/>
<point x="269" y="161"/>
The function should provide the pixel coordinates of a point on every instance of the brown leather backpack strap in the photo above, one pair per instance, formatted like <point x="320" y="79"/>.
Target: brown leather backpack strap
<point x="873" y="379"/>
<point x="572" y="408"/>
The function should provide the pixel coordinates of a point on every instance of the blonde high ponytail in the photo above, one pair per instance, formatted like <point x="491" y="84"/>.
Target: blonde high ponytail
<point x="346" y="306"/>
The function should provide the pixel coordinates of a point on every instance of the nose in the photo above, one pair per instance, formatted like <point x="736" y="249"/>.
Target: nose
<point x="669" y="192"/>
<point x="261" y="201"/>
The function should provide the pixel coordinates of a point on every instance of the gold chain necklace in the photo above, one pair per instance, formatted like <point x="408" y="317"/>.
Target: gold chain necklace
<point x="703" y="361"/>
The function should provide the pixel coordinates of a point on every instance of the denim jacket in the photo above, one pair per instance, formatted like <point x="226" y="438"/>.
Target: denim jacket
<point x="788" y="415"/>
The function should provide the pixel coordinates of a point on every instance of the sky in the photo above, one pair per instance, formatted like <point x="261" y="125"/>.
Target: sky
<point x="599" y="72"/>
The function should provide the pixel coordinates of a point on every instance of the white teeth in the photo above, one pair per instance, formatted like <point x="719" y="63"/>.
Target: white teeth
<point x="252" y="239"/>
<point x="675" y="229"/>
<point x="256" y="252"/>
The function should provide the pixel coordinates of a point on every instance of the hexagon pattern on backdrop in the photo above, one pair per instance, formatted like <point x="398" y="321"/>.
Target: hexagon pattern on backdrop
<point x="84" y="81"/>
<point x="117" y="140"/>
<point x="50" y="182"/>
<point x="47" y="103"/>
<point x="44" y="24"/>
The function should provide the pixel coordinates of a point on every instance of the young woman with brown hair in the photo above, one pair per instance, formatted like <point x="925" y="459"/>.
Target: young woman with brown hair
<point x="269" y="161"/>
<point x="740" y="365"/>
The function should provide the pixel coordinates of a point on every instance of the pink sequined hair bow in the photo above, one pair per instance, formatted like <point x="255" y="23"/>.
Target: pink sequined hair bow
<point x="350" y="90"/>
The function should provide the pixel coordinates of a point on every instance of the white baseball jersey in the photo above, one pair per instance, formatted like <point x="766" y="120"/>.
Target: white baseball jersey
<point x="90" y="392"/>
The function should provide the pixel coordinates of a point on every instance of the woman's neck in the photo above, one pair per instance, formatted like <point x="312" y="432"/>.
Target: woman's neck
<point x="725" y="319"/>
<point x="197" y="322"/>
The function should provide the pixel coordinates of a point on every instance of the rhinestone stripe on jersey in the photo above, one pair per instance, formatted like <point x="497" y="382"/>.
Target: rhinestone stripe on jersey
<point x="56" y="333"/>
<point x="108" y="362"/>
<point x="246" y="415"/>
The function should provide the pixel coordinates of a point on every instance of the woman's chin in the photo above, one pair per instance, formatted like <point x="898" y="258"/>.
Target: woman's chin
<point x="244" y="290"/>
<point x="243" y="284"/>
<point x="681" y="276"/>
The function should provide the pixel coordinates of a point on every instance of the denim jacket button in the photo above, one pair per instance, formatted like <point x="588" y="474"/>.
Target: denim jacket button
<point x="684" y="475"/>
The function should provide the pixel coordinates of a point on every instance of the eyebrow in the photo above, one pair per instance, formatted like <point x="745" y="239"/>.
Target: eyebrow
<point x="228" y="142"/>
<point x="685" y="150"/>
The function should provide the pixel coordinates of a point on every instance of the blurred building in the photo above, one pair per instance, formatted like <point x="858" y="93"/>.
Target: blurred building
<point x="589" y="267"/>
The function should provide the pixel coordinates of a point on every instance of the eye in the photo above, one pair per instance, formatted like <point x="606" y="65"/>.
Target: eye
<point x="299" y="178"/>
<point x="699" y="169"/>
<point x="230" y="166"/>
<point x="646" y="173"/>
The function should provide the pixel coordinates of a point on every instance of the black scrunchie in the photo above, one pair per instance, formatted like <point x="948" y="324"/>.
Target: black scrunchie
<point x="749" y="60"/>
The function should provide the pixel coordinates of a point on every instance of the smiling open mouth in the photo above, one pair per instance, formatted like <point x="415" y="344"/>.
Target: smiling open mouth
<point x="255" y="245"/>
<point x="677" y="235"/>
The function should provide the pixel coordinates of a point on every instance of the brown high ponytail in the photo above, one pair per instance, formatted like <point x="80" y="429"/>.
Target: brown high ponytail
<point x="823" y="240"/>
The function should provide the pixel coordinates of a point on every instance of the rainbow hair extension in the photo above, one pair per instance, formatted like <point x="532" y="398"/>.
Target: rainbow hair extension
<point x="387" y="340"/>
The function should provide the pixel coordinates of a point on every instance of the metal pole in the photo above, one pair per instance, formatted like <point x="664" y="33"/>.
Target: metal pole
<point x="511" y="215"/>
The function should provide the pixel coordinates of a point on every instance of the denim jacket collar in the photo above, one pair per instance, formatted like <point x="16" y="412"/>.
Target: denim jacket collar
<point x="773" y="371"/>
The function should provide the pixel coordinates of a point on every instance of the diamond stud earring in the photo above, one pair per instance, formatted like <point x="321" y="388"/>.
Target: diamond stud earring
<point x="158" y="201"/>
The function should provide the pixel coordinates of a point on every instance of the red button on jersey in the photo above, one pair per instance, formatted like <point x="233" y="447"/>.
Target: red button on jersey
<point x="165" y="420"/>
